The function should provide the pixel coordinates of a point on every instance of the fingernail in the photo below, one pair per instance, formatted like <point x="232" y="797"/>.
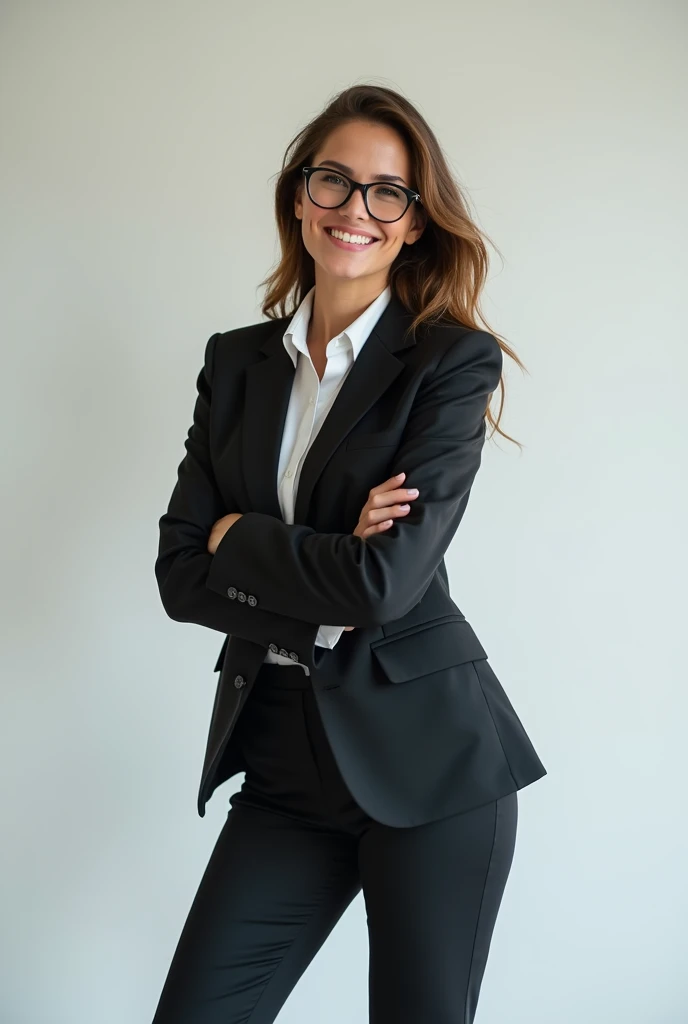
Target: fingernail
<point x="404" y="507"/>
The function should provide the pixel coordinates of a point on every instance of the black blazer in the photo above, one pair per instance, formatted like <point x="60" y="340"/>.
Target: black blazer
<point x="418" y="721"/>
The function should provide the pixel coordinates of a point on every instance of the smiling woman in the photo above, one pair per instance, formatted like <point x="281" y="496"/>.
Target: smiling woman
<point x="333" y="205"/>
<point x="328" y="466"/>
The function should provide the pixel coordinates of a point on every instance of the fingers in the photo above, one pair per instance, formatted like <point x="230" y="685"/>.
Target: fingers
<point x="382" y="504"/>
<point x="379" y="515"/>
<point x="386" y="492"/>
<point x="388" y="498"/>
<point x="385" y="500"/>
<point x="377" y="528"/>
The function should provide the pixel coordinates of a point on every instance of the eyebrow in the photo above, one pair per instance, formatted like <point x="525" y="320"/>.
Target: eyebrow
<point x="349" y="171"/>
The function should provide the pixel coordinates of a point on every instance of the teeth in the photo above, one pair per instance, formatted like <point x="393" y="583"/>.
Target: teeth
<point x="346" y="237"/>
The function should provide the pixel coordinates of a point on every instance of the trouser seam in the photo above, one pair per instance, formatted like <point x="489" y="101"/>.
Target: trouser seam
<point x="480" y="908"/>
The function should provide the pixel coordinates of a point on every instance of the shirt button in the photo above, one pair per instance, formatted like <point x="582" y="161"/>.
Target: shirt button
<point x="274" y="648"/>
<point x="252" y="600"/>
<point x="283" y="652"/>
<point x="232" y="592"/>
<point x="241" y="595"/>
<point x="289" y="473"/>
<point x="239" y="681"/>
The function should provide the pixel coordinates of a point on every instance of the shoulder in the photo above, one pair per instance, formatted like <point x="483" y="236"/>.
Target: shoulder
<point x="240" y="345"/>
<point x="250" y="337"/>
<point x="456" y="347"/>
<point x="470" y="345"/>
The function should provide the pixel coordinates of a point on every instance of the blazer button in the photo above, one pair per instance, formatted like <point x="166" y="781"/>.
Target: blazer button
<point x="285" y="654"/>
<point x="253" y="601"/>
<point x="241" y="595"/>
<point x="239" y="681"/>
<point x="293" y="655"/>
<point x="232" y="592"/>
<point x="274" y="648"/>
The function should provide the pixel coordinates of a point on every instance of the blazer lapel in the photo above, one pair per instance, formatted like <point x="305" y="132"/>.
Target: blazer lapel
<point x="268" y="389"/>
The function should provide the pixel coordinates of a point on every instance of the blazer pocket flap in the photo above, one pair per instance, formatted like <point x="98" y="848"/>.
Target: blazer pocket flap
<point x="434" y="647"/>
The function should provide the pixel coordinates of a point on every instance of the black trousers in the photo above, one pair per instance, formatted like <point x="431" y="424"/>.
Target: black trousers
<point x="295" y="851"/>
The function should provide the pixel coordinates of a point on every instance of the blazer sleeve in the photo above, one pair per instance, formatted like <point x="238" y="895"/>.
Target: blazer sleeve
<point x="341" y="578"/>
<point x="183" y="561"/>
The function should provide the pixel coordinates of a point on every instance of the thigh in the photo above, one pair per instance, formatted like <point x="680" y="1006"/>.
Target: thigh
<point x="271" y="893"/>
<point x="432" y="894"/>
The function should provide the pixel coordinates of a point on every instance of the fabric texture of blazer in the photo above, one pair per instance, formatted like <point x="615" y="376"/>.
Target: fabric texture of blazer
<point x="418" y="722"/>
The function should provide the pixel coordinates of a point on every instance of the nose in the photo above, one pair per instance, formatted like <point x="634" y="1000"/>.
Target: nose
<point x="355" y="205"/>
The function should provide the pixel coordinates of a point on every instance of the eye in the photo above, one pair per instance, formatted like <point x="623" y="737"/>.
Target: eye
<point x="388" y="192"/>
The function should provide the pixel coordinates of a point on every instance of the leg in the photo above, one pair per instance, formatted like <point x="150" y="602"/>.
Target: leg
<point x="272" y="892"/>
<point x="432" y="894"/>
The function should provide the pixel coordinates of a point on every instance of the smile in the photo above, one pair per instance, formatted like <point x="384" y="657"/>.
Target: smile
<point x="349" y="240"/>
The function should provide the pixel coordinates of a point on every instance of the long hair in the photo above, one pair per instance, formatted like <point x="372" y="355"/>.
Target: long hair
<point x="437" y="279"/>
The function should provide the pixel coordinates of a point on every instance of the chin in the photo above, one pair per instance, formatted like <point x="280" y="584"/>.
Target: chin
<point x="342" y="270"/>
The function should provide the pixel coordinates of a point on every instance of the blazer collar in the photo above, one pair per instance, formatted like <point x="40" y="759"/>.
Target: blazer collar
<point x="268" y="389"/>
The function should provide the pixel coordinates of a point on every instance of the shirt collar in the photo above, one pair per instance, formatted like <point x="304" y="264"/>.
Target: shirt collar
<point x="354" y="335"/>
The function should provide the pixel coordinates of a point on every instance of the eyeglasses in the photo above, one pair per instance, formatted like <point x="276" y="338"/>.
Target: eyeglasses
<point x="329" y="189"/>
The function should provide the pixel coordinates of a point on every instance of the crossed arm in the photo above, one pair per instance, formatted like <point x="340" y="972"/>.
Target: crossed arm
<point x="307" y="578"/>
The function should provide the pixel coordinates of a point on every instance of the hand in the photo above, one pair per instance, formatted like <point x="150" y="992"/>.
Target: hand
<point x="220" y="529"/>
<point x="381" y="504"/>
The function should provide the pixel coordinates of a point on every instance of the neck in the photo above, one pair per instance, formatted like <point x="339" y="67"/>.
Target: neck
<point x="337" y="303"/>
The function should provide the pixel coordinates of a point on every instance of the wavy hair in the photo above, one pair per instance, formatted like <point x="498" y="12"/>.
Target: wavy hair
<point x="437" y="279"/>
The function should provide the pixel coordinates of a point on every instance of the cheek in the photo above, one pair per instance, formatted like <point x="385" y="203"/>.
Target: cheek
<point x="313" y="216"/>
<point x="313" y="233"/>
<point x="396" y="239"/>
<point x="390" y="245"/>
<point x="309" y="232"/>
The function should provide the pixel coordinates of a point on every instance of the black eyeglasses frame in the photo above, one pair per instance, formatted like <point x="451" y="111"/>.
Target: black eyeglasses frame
<point x="411" y="196"/>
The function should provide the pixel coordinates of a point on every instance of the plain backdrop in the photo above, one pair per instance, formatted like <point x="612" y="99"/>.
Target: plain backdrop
<point x="140" y="143"/>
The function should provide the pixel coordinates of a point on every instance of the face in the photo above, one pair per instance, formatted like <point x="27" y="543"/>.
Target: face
<point x="368" y="150"/>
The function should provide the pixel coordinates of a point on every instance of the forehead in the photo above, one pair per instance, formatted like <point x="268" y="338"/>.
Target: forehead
<point x="370" y="150"/>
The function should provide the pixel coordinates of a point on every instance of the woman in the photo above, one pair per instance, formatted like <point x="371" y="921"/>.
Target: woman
<point x="380" y="751"/>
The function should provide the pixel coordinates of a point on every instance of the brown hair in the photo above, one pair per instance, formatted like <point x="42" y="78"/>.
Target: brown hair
<point x="439" y="277"/>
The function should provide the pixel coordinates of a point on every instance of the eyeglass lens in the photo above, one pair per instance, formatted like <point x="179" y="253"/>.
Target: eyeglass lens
<point x="385" y="202"/>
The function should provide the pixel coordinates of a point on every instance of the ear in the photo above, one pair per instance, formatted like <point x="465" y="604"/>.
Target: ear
<point x="298" y="201"/>
<point x="418" y="222"/>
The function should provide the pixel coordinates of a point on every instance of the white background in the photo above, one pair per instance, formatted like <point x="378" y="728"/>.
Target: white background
<point x="140" y="143"/>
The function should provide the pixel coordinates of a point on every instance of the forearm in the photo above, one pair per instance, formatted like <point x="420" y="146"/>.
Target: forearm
<point x="330" y="578"/>
<point x="181" y="575"/>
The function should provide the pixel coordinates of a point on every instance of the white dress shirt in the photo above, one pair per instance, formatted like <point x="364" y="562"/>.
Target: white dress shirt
<point x="309" y="404"/>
